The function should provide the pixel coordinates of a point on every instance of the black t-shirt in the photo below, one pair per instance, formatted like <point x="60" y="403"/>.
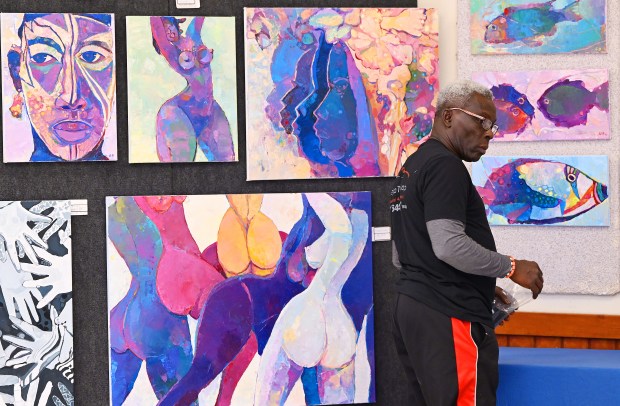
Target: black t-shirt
<point x="434" y="184"/>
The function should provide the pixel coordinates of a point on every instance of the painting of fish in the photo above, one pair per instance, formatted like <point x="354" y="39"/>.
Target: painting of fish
<point x="530" y="26"/>
<point x="568" y="102"/>
<point x="550" y="105"/>
<point x="514" y="110"/>
<point x="560" y="190"/>
<point x="528" y="22"/>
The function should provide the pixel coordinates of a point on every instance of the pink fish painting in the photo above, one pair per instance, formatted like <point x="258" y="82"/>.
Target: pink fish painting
<point x="550" y="105"/>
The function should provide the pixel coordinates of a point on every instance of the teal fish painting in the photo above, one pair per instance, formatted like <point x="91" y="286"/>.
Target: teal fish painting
<point x="527" y="23"/>
<point x="538" y="27"/>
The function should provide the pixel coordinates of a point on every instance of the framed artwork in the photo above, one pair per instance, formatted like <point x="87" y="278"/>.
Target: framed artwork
<point x="550" y="190"/>
<point x="538" y="26"/>
<point x="36" y="305"/>
<point x="550" y="105"/>
<point x="59" y="87"/>
<point x="215" y="297"/>
<point x="337" y="92"/>
<point x="181" y="78"/>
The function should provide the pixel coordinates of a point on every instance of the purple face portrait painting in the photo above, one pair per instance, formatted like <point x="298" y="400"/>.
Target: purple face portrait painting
<point x="59" y="81"/>
<point x="338" y="92"/>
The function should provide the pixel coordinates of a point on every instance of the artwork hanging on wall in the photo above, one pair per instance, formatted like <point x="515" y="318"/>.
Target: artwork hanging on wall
<point x="36" y="305"/>
<point x="538" y="26"/>
<point x="58" y="87"/>
<point x="337" y="92"/>
<point x="550" y="190"/>
<point x="181" y="78"/>
<point x="215" y="297"/>
<point x="550" y="105"/>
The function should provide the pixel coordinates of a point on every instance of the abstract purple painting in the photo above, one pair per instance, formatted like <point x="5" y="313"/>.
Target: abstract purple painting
<point x="550" y="105"/>
<point x="338" y="92"/>
<point x="213" y="298"/>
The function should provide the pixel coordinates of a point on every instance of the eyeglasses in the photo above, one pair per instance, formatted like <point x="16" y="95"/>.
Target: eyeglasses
<point x="486" y="123"/>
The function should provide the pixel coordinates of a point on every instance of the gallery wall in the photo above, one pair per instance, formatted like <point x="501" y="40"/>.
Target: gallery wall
<point x="581" y="264"/>
<point x="95" y="180"/>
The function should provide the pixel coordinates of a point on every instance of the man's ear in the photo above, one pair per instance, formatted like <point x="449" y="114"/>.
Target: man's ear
<point x="446" y="117"/>
<point x="14" y="57"/>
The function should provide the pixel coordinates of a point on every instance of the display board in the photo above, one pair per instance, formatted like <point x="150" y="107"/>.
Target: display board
<point x="95" y="180"/>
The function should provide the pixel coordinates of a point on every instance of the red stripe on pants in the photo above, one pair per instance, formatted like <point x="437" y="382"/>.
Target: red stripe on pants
<point x="466" y="362"/>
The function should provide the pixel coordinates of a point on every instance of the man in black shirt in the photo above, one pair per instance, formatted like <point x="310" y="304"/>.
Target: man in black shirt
<point x="448" y="260"/>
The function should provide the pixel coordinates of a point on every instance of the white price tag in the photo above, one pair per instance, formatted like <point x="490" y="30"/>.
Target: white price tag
<point x="188" y="3"/>
<point x="381" y="234"/>
<point x="79" y="207"/>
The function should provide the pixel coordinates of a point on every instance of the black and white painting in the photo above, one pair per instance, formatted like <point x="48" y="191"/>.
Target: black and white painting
<point x="36" y="306"/>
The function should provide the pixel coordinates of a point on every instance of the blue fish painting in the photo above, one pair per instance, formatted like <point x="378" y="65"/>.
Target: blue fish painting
<point x="514" y="110"/>
<point x="527" y="23"/>
<point x="543" y="190"/>
<point x="538" y="26"/>
<point x="568" y="102"/>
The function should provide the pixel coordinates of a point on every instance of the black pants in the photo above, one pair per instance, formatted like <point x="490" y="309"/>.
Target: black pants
<point x="447" y="361"/>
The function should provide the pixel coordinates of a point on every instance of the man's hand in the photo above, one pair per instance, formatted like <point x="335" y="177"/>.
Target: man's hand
<point x="528" y="275"/>
<point x="501" y="295"/>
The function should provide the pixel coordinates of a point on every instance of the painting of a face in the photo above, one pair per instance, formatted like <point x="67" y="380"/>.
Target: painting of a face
<point x="67" y="75"/>
<point x="338" y="92"/>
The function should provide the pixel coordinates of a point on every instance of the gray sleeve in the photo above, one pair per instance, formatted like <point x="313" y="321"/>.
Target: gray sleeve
<point x="395" y="258"/>
<point x="454" y="247"/>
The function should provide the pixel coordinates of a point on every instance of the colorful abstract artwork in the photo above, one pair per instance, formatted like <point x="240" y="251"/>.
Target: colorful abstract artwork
<point x="36" y="305"/>
<point x="538" y="26"/>
<point x="59" y="87"/>
<point x="550" y="190"/>
<point x="338" y="92"/>
<point x="550" y="105"/>
<point x="181" y="77"/>
<point x="241" y="299"/>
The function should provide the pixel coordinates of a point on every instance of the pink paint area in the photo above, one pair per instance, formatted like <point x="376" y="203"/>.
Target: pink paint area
<point x="568" y="104"/>
<point x="72" y="132"/>
<point x="182" y="275"/>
